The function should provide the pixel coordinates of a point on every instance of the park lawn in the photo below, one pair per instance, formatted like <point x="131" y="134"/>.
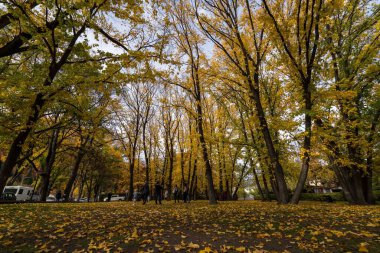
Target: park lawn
<point x="241" y="226"/>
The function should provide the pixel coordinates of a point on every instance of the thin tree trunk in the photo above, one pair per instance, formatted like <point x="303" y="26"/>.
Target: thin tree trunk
<point x="220" y="172"/>
<point x="171" y="167"/>
<point x="192" y="187"/>
<point x="242" y="175"/>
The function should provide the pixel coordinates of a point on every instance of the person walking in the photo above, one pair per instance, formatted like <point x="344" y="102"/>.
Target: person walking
<point x="58" y="196"/>
<point x="158" y="192"/>
<point x="185" y="193"/>
<point x="176" y="194"/>
<point x="145" y="192"/>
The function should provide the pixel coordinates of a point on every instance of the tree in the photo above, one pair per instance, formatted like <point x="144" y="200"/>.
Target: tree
<point x="301" y="49"/>
<point x="351" y="38"/>
<point x="58" y="45"/>
<point x="188" y="42"/>
<point x="223" y="25"/>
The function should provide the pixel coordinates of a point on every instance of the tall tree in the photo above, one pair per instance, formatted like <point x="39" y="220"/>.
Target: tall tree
<point x="223" y="25"/>
<point x="189" y="42"/>
<point x="301" y="49"/>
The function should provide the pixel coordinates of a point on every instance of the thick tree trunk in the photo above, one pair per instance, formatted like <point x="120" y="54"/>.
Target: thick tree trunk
<point x="265" y="186"/>
<point x="89" y="189"/>
<point x="74" y="172"/>
<point x="81" y="186"/>
<point x="49" y="161"/>
<point x="306" y="146"/>
<point x="205" y="155"/>
<point x="83" y="179"/>
<point x="354" y="181"/>
<point x="195" y="188"/>
<point x="40" y="100"/>
<point x="281" y="187"/>
<point x="16" y="147"/>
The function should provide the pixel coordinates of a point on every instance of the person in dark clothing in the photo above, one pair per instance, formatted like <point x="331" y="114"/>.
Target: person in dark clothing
<point x="145" y="192"/>
<point x="185" y="193"/>
<point x="176" y="194"/>
<point x="109" y="197"/>
<point x="58" y="196"/>
<point x="158" y="192"/>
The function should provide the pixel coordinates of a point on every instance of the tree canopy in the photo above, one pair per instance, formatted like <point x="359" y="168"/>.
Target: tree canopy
<point x="227" y="97"/>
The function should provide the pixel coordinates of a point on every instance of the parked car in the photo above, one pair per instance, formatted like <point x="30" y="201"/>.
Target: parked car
<point x="51" y="198"/>
<point x="36" y="197"/>
<point x="137" y="196"/>
<point x="115" y="198"/>
<point x="84" y="200"/>
<point x="5" y="197"/>
<point x="22" y="193"/>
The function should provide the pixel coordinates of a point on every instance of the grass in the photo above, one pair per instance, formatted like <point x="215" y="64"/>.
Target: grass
<point x="241" y="226"/>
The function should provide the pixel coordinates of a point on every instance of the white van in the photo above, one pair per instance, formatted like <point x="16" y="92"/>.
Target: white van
<point x="22" y="193"/>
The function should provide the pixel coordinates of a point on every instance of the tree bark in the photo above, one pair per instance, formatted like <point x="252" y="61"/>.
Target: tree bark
<point x="281" y="187"/>
<point x="49" y="161"/>
<point x="202" y="141"/>
<point x="74" y="172"/>
<point x="306" y="146"/>
<point x="40" y="100"/>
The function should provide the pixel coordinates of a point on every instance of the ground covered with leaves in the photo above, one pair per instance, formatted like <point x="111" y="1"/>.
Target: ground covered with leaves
<point x="242" y="226"/>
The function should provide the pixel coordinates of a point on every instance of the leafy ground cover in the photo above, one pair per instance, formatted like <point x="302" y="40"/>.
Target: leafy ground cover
<point x="242" y="226"/>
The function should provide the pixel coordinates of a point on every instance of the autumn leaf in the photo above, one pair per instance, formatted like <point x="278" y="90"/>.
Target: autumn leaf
<point x="206" y="250"/>
<point x="192" y="245"/>
<point x="240" y="249"/>
<point x="363" y="247"/>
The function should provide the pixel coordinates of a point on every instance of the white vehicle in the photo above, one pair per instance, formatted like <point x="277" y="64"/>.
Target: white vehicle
<point x="83" y="200"/>
<point x="36" y="197"/>
<point x="51" y="198"/>
<point x="22" y="193"/>
<point x="115" y="198"/>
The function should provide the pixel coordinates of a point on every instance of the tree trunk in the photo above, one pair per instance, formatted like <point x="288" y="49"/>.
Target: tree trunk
<point x="171" y="167"/>
<point x="265" y="185"/>
<point x="16" y="146"/>
<point x="147" y="162"/>
<point x="40" y="100"/>
<point x="131" y="172"/>
<point x="193" y="177"/>
<point x="242" y="175"/>
<point x="354" y="181"/>
<point x="202" y="141"/>
<point x="74" y="172"/>
<point x="257" y="181"/>
<point x="49" y="161"/>
<point x="306" y="146"/>
<point x="281" y="187"/>
<point x="220" y="173"/>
